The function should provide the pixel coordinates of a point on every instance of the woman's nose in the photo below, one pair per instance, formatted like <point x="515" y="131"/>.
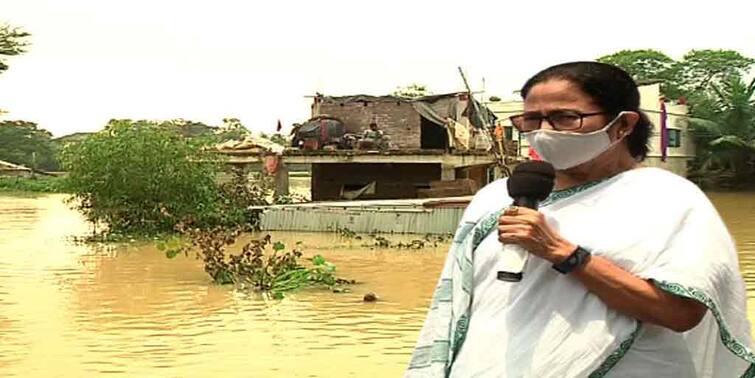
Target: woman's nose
<point x="545" y="123"/>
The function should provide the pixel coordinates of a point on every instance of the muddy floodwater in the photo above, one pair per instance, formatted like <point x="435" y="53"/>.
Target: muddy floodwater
<point x="68" y="309"/>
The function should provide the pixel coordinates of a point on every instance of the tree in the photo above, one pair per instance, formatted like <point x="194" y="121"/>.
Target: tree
<point x="700" y="68"/>
<point x="138" y="177"/>
<point x="23" y="143"/>
<point x="686" y="77"/>
<point x="190" y="129"/>
<point x="232" y="129"/>
<point x="641" y="64"/>
<point x="70" y="138"/>
<point x="724" y="128"/>
<point x="12" y="42"/>
<point x="646" y="65"/>
<point x="411" y="91"/>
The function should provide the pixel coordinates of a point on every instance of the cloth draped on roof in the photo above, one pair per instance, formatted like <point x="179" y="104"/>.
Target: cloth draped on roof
<point x="251" y="142"/>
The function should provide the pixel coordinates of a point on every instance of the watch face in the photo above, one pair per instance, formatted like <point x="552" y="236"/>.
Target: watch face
<point x="578" y="258"/>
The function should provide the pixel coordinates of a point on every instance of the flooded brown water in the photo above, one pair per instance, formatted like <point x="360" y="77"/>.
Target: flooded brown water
<point x="84" y="310"/>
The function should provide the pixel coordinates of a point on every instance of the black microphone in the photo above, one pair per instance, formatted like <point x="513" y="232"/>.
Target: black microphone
<point x="530" y="183"/>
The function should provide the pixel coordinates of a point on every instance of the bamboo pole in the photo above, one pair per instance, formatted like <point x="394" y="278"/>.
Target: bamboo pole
<point x="499" y="150"/>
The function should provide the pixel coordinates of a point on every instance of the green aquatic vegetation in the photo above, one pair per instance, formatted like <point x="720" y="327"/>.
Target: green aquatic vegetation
<point x="260" y="264"/>
<point x="428" y="241"/>
<point x="348" y="233"/>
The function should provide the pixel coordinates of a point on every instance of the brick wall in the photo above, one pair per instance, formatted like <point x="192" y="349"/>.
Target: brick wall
<point x="396" y="119"/>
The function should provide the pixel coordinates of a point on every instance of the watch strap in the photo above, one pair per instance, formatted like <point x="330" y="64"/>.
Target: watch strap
<point x="578" y="258"/>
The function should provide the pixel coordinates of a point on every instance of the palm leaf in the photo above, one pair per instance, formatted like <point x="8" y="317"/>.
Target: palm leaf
<point x="731" y="141"/>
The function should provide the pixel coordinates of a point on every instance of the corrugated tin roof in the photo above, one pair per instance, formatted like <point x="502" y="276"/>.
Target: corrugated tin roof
<point x="403" y="221"/>
<point x="406" y="216"/>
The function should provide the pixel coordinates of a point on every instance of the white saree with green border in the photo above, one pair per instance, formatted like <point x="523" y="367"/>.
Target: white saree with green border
<point x="652" y="223"/>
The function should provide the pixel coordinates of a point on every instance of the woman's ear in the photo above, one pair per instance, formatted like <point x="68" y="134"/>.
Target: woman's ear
<point x="628" y="122"/>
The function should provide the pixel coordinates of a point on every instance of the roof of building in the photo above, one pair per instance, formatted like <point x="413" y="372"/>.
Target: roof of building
<point x="8" y="166"/>
<point x="434" y="108"/>
<point x="385" y="98"/>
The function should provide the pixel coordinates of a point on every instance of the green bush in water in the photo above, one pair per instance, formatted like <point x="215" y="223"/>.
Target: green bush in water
<point x="143" y="178"/>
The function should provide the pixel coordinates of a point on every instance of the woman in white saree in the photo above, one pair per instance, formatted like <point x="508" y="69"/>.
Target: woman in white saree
<point x="646" y="280"/>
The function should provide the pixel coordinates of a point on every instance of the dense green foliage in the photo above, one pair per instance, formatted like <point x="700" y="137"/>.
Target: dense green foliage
<point x="699" y="69"/>
<point x="24" y="143"/>
<point x="695" y="72"/>
<point x="642" y="64"/>
<point x="142" y="178"/>
<point x="139" y="177"/>
<point x="724" y="129"/>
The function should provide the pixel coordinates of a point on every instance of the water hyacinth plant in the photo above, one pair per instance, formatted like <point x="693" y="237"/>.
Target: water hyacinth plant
<point x="261" y="264"/>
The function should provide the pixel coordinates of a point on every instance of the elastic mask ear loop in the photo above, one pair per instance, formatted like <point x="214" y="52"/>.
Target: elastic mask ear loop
<point x="620" y="135"/>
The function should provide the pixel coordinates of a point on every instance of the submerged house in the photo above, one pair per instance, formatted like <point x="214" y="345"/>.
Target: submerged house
<point x="435" y="149"/>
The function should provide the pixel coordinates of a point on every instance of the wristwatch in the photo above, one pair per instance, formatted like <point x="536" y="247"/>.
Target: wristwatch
<point x="578" y="258"/>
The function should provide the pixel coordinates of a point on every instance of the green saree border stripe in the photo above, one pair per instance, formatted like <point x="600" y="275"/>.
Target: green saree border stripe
<point x="460" y="334"/>
<point x="487" y="224"/>
<point x="617" y="355"/>
<point x="558" y="195"/>
<point x="750" y="372"/>
<point x="733" y="345"/>
<point x="429" y="354"/>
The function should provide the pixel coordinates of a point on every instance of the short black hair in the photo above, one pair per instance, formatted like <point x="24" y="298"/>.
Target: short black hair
<point x="612" y="88"/>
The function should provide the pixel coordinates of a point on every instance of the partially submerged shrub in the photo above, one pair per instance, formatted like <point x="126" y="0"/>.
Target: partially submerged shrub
<point x="140" y="178"/>
<point x="261" y="264"/>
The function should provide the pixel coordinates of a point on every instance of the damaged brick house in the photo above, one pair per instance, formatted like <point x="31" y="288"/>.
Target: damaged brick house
<point x="435" y="149"/>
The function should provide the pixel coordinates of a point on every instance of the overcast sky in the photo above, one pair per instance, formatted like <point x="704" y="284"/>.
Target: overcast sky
<point x="93" y="60"/>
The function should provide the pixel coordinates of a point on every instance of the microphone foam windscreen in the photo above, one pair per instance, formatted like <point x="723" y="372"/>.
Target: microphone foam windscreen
<point x="532" y="179"/>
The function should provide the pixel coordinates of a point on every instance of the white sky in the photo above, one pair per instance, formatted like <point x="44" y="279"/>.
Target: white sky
<point x="93" y="60"/>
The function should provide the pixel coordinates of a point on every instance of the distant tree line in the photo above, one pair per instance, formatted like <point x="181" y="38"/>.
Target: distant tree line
<point x="25" y="143"/>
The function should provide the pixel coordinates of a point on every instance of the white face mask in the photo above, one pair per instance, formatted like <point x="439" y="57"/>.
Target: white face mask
<point x="569" y="149"/>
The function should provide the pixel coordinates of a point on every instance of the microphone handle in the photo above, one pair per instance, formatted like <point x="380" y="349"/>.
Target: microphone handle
<point x="528" y="202"/>
<point x="514" y="257"/>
